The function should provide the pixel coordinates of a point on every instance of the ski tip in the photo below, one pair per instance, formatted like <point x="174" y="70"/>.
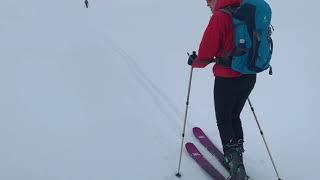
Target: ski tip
<point x="197" y="130"/>
<point x="189" y="144"/>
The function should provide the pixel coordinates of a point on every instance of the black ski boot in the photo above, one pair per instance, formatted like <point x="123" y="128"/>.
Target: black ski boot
<point x="241" y="169"/>
<point x="233" y="160"/>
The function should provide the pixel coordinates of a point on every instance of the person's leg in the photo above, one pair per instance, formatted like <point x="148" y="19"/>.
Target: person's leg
<point x="244" y="88"/>
<point x="230" y="97"/>
<point x="246" y="85"/>
<point x="224" y="100"/>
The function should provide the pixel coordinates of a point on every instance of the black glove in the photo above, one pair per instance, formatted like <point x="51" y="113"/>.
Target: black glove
<point x="192" y="57"/>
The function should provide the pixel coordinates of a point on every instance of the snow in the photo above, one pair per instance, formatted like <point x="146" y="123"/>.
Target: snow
<point x="100" y="93"/>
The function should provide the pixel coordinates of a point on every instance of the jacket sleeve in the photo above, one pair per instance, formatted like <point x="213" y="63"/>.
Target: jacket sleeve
<point x="210" y="43"/>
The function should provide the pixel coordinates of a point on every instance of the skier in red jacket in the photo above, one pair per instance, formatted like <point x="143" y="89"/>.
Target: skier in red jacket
<point x="231" y="88"/>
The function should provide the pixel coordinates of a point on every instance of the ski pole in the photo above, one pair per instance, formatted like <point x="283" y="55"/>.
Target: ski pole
<point x="185" y="121"/>
<point x="264" y="140"/>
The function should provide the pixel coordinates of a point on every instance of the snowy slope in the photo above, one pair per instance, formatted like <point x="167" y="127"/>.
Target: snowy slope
<point x="100" y="93"/>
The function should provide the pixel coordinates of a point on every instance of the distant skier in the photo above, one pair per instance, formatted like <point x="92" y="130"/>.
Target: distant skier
<point x="231" y="88"/>
<point x="86" y="3"/>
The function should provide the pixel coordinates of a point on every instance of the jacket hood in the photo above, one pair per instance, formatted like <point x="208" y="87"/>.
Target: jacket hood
<point x="224" y="3"/>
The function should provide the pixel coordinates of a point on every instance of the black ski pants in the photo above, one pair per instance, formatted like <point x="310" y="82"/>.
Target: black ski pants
<point x="230" y="95"/>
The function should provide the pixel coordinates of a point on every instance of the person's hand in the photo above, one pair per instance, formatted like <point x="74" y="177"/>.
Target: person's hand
<point x="192" y="57"/>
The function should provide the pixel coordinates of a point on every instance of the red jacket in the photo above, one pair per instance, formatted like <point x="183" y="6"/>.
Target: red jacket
<point x="217" y="39"/>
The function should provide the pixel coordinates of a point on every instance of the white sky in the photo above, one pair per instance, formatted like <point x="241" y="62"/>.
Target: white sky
<point x="99" y="93"/>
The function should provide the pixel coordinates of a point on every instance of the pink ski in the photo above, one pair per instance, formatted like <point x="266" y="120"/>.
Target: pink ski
<point x="207" y="143"/>
<point x="203" y="163"/>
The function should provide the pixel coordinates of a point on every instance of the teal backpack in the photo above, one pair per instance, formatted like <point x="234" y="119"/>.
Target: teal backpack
<point x="253" y="45"/>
